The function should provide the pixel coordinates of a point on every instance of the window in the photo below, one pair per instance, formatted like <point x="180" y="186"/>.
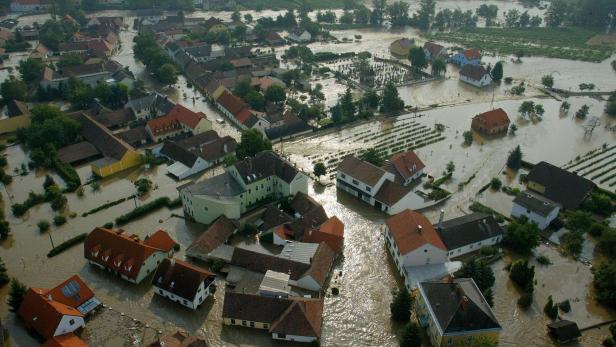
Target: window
<point x="282" y="336"/>
<point x="265" y="326"/>
<point x="355" y="182"/>
<point x="71" y="322"/>
<point x="343" y="175"/>
<point x="233" y="321"/>
<point x="252" y="324"/>
<point x="368" y="189"/>
<point x="244" y="323"/>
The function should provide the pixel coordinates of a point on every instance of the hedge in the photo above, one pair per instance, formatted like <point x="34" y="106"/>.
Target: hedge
<point x="147" y="208"/>
<point x="66" y="245"/>
<point x="106" y="206"/>
<point x="68" y="174"/>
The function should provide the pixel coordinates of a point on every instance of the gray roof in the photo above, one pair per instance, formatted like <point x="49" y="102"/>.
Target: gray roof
<point x="361" y="170"/>
<point x="176" y="152"/>
<point x="561" y="186"/>
<point x="535" y="203"/>
<point x="265" y="164"/>
<point x="221" y="185"/>
<point x="466" y="230"/>
<point x="458" y="306"/>
<point x="199" y="51"/>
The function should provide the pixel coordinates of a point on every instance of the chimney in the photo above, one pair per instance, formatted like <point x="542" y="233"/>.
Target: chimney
<point x="440" y="219"/>
<point x="49" y="298"/>
<point x="419" y="228"/>
<point x="171" y="262"/>
<point x="465" y="303"/>
<point x="225" y="148"/>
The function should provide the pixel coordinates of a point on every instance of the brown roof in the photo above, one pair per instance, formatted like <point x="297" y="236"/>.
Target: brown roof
<point x="114" y="118"/>
<point x="405" y="228"/>
<point x="261" y="262"/>
<point x="134" y="136"/>
<point x="198" y="140"/>
<point x="179" y="339"/>
<point x="217" y="234"/>
<point x="407" y="164"/>
<point x="77" y="152"/>
<point x="390" y="193"/>
<point x="123" y="253"/>
<point x="361" y="170"/>
<point x="231" y="103"/>
<point x="42" y="314"/>
<point x="102" y="138"/>
<point x="474" y="72"/>
<point x="322" y="262"/>
<point x="492" y="119"/>
<point x="298" y="316"/>
<point x="472" y="54"/>
<point x="331" y="233"/>
<point x="433" y="48"/>
<point x="218" y="148"/>
<point x="180" y="278"/>
<point x="66" y="340"/>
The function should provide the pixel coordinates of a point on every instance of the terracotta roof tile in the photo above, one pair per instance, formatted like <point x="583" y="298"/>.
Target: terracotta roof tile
<point x="217" y="234"/>
<point x="492" y="119"/>
<point x="66" y="340"/>
<point x="404" y="227"/>
<point x="407" y="164"/>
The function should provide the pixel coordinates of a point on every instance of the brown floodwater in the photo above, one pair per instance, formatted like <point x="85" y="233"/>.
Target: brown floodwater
<point x="359" y="315"/>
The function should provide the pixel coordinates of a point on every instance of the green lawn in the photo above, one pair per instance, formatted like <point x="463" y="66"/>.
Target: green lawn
<point x="566" y="43"/>
<point x="285" y="4"/>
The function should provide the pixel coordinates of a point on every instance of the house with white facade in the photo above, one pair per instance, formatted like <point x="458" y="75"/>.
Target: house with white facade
<point x="286" y="319"/>
<point x="184" y="283"/>
<point x="150" y="106"/>
<point x="406" y="166"/>
<point x="433" y="51"/>
<point x="299" y="35"/>
<point x="468" y="233"/>
<point x="179" y="120"/>
<point x="242" y="186"/>
<point x="58" y="311"/>
<point x="127" y="256"/>
<point x="467" y="56"/>
<point x="361" y="179"/>
<point x="535" y="208"/>
<point x="475" y="75"/>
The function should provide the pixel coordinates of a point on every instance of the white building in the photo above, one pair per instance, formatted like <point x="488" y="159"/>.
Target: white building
<point x="468" y="233"/>
<point x="299" y="36"/>
<point x="536" y="208"/>
<point x="181" y="282"/>
<point x="412" y="241"/>
<point x="361" y="179"/>
<point x="475" y="75"/>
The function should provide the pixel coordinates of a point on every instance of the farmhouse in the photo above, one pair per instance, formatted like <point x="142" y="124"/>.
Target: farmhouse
<point x="475" y="75"/>
<point x="401" y="47"/>
<point x="468" y="233"/>
<point x="491" y="122"/>
<point x="535" y="208"/>
<point x="177" y="121"/>
<point x="182" y="282"/>
<point x="467" y="56"/>
<point x="558" y="185"/>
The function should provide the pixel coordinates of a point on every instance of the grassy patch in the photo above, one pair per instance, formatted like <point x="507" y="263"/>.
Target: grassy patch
<point x="564" y="43"/>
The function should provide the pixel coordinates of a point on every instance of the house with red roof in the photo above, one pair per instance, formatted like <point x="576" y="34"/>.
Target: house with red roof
<point x="413" y="241"/>
<point x="406" y="166"/>
<point x="56" y="313"/>
<point x="240" y="113"/>
<point x="491" y="122"/>
<point x="331" y="233"/>
<point x="177" y="121"/>
<point x="67" y="340"/>
<point x="467" y="56"/>
<point x="127" y="256"/>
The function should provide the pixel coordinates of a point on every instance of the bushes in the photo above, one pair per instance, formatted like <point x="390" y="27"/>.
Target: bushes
<point x="43" y="225"/>
<point x="400" y="306"/>
<point x="59" y="220"/>
<point x="106" y="206"/>
<point x="572" y="242"/>
<point x="543" y="260"/>
<point x="605" y="284"/>
<point x="267" y="238"/>
<point x="16" y="294"/>
<point x="216" y="265"/>
<point x="67" y="244"/>
<point x="68" y="174"/>
<point x="523" y="276"/>
<point x="495" y="183"/>
<point x="145" y="209"/>
<point x="550" y="308"/>
<point x="522" y="236"/>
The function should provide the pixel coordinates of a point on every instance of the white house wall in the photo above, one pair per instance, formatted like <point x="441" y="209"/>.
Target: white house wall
<point x="66" y="327"/>
<point x="542" y="222"/>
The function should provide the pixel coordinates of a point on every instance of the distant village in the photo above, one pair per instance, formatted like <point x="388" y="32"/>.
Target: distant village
<point x="267" y="250"/>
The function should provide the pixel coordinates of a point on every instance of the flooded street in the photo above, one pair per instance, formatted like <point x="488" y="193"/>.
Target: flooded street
<point x="359" y="315"/>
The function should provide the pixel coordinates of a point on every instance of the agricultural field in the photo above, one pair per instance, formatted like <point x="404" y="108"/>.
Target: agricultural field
<point x="598" y="165"/>
<point x="563" y="43"/>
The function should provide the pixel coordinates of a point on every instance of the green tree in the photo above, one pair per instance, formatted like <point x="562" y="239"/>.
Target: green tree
<point x="483" y="275"/>
<point x="17" y="293"/>
<point x="319" y="169"/>
<point x="495" y="183"/>
<point x="607" y="242"/>
<point x="522" y="274"/>
<point x="583" y="111"/>
<point x="411" y="336"/>
<point x="370" y="99"/>
<point x="605" y="284"/>
<point x="30" y="69"/>
<point x="489" y="12"/>
<point x="451" y="167"/>
<point x="242" y="87"/>
<point x="252" y="142"/>
<point x="236" y="16"/>
<point x="390" y="101"/>
<point x="361" y="14"/>
<point x="275" y="93"/>
<point x="514" y="161"/>
<point x="347" y="106"/>
<point x="425" y="15"/>
<point x="557" y="13"/>
<point x="438" y="67"/>
<point x="578" y="221"/>
<point x="400" y="306"/>
<point x="70" y="59"/>
<point x="378" y="12"/>
<point x="550" y="308"/>
<point x="13" y="89"/>
<point x="468" y="137"/>
<point x="373" y="156"/>
<point x="497" y="71"/>
<point x="547" y="81"/>
<point x="417" y="57"/>
<point x="4" y="276"/>
<point x="256" y="100"/>
<point x="398" y="13"/>
<point x="248" y="18"/>
<point x="347" y="17"/>
<point x="166" y="74"/>
<point x="522" y="236"/>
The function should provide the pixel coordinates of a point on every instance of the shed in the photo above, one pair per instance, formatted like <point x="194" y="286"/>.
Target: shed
<point x="564" y="331"/>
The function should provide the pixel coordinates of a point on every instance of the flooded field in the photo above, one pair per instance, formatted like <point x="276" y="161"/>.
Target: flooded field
<point x="364" y="276"/>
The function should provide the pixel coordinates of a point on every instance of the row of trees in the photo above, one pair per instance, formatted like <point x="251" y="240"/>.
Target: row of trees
<point x="156" y="60"/>
<point x="586" y="13"/>
<point x="516" y="19"/>
<point x="346" y="110"/>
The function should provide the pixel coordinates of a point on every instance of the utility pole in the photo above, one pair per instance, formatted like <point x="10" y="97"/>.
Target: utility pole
<point x="51" y="239"/>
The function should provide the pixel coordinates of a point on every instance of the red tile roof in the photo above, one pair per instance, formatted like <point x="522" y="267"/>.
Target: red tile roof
<point x="407" y="164"/>
<point x="231" y="103"/>
<point x="67" y="340"/>
<point x="244" y="115"/>
<point x="217" y="234"/>
<point x="85" y="293"/>
<point x="123" y="253"/>
<point x="331" y="233"/>
<point x="405" y="228"/>
<point x="174" y="119"/>
<point x="492" y="119"/>
<point x="472" y="54"/>
<point x="42" y="314"/>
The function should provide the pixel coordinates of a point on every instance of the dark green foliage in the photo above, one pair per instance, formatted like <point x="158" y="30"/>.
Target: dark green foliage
<point x="17" y="293"/>
<point x="417" y="57"/>
<point x="400" y="306"/>
<point x="578" y="221"/>
<point x="609" y="342"/>
<point x="30" y="70"/>
<point x="525" y="300"/>
<point x="256" y="100"/>
<point x="70" y="59"/>
<point x="390" y="100"/>
<point x="398" y="13"/>
<point x="495" y="183"/>
<point x="13" y="89"/>
<point x="67" y="244"/>
<point x="335" y="291"/>
<point x="522" y="236"/>
<point x="411" y="336"/>
<point x="543" y="260"/>
<point x="514" y="161"/>
<point x="108" y="225"/>
<point x="145" y="209"/>
<point x="319" y="169"/>
<point x="275" y="93"/>
<point x="252" y="142"/>
<point x="373" y="156"/>
<point x="607" y="242"/>
<point x="572" y="242"/>
<point x="53" y="33"/>
<point x="43" y="225"/>
<point x="143" y="186"/>
<point x="59" y="220"/>
<point x="523" y="275"/>
<point x="4" y="276"/>
<point x="550" y="308"/>
<point x="156" y="60"/>
<point x="598" y="203"/>
<point x="216" y="265"/>
<point x="483" y="275"/>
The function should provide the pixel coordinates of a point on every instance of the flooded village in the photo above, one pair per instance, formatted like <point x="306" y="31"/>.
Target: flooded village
<point x="273" y="173"/>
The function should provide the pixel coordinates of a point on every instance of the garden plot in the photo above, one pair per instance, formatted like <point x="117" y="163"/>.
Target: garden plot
<point x="392" y="138"/>
<point x="598" y="165"/>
